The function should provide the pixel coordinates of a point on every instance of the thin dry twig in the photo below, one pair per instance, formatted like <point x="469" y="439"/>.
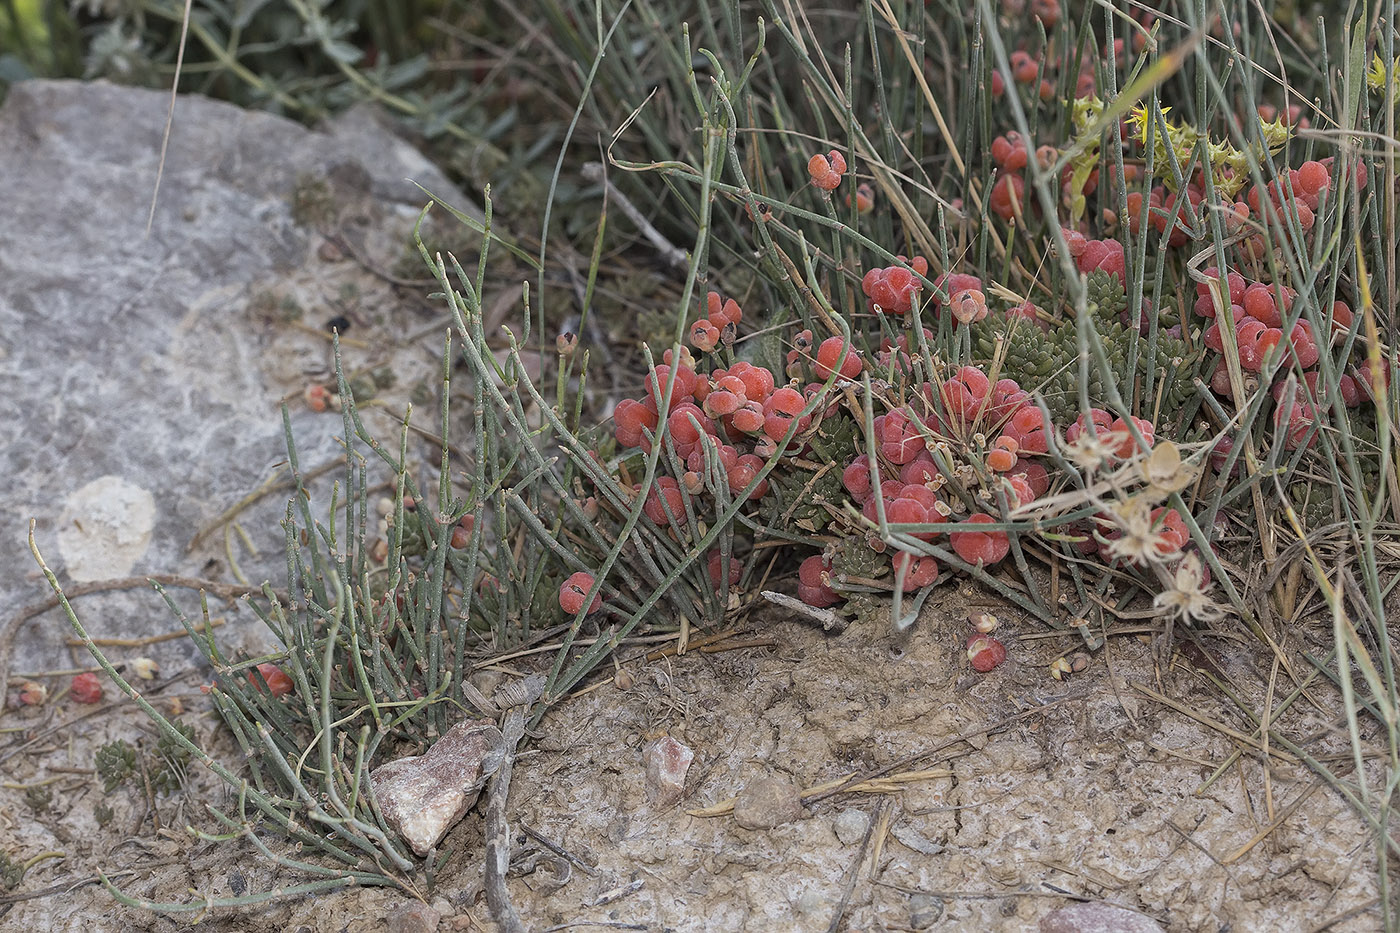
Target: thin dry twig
<point x="852" y="874"/>
<point x="227" y="591"/>
<point x="497" y="830"/>
<point x="674" y="256"/>
<point x="828" y="620"/>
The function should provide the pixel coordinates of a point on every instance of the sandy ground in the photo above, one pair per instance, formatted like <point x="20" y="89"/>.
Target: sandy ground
<point x="1010" y="794"/>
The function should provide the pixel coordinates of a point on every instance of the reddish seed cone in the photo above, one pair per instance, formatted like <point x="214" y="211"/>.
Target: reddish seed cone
<point x="86" y="688"/>
<point x="278" y="683"/>
<point x="985" y="653"/>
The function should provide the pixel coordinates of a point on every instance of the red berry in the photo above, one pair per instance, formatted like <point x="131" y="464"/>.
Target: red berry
<point x="462" y="533"/>
<point x="573" y="592"/>
<point x="278" y="683"/>
<point x="893" y="289"/>
<point x="781" y="409"/>
<point x="1008" y="194"/>
<point x="985" y="653"/>
<point x="1247" y="339"/>
<point x="715" y="564"/>
<point x="829" y="353"/>
<point x="1035" y="475"/>
<point x="318" y="397"/>
<point x="1023" y="68"/>
<point x="704" y="335"/>
<point x="919" y="570"/>
<point x="721" y="312"/>
<point x="1098" y="416"/>
<point x="968" y="305"/>
<point x="86" y="688"/>
<point x="1370" y="377"/>
<point x="749" y="419"/>
<point x="980" y="547"/>
<point x="864" y="197"/>
<point x="1313" y="177"/>
<point x="1171" y="528"/>
<point x="919" y="471"/>
<point x="1259" y="304"/>
<point x="1127" y="444"/>
<point x="1304" y="347"/>
<point x="856" y="479"/>
<point x="665" y="505"/>
<point x="1000" y="460"/>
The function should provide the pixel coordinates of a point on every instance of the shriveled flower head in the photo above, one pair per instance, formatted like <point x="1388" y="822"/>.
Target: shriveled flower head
<point x="1185" y="598"/>
<point x="1163" y="470"/>
<point x="1090" y="451"/>
<point x="1139" y="543"/>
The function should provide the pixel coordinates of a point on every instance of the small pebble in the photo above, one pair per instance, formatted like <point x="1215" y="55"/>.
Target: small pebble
<point x="850" y="826"/>
<point x="667" y="762"/>
<point x="924" y="911"/>
<point x="808" y="902"/>
<point x="413" y="918"/>
<point x="767" y="803"/>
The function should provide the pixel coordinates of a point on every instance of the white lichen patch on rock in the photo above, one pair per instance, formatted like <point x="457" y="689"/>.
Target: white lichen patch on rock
<point x="105" y="528"/>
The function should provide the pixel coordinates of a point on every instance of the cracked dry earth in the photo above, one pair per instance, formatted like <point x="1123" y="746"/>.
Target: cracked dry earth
<point x="1099" y="788"/>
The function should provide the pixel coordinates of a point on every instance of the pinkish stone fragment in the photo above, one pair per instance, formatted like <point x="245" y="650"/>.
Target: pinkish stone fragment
<point x="422" y="796"/>
<point x="667" y="761"/>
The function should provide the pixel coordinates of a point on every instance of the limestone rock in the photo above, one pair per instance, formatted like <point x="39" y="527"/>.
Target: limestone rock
<point x="667" y="762"/>
<point x="413" y="918"/>
<point x="140" y="381"/>
<point x="850" y="826"/>
<point x="423" y="796"/>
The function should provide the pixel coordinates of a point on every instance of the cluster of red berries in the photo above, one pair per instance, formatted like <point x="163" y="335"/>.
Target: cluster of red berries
<point x="1259" y="310"/>
<point x="894" y="289"/>
<point x="826" y="170"/>
<point x="973" y="422"/>
<point x="1106" y="254"/>
<point x="957" y="415"/>
<point x="719" y="326"/>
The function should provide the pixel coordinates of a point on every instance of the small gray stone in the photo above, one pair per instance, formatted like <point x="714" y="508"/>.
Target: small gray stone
<point x="1096" y="917"/>
<point x="413" y="918"/>
<point x="422" y="796"/>
<point x="908" y="836"/>
<point x="850" y="826"/>
<point x="766" y="803"/>
<point x="667" y="762"/>
<point x="924" y="910"/>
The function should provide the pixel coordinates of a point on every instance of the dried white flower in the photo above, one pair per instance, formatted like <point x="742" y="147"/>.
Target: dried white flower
<point x="144" y="668"/>
<point x="1090" y="452"/>
<point x="1138" y="543"/>
<point x="1163" y="470"/>
<point x="1186" y="597"/>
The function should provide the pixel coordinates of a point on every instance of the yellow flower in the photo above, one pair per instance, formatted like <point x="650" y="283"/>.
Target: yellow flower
<point x="1375" y="76"/>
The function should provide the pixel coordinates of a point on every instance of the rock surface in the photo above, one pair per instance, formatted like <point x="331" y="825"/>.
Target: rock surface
<point x="1097" y="917"/>
<point x="413" y="918"/>
<point x="423" y="796"/>
<point x="141" y="376"/>
<point x="850" y="825"/>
